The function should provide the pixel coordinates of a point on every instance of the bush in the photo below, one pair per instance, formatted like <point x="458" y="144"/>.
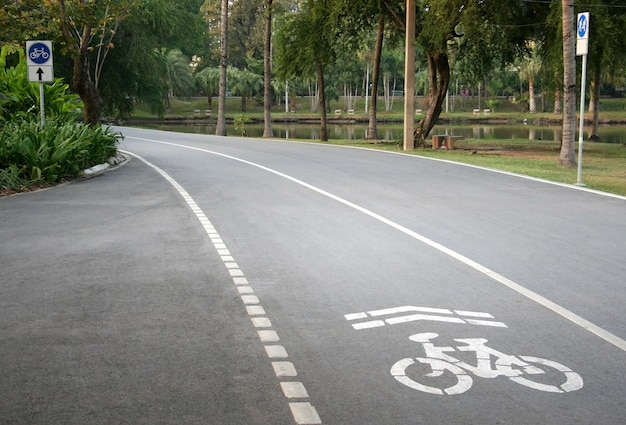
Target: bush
<point x="59" y="150"/>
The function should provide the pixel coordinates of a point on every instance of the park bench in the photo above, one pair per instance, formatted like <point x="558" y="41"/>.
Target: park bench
<point x="445" y="141"/>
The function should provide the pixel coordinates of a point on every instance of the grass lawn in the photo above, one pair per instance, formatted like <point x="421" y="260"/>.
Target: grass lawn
<point x="604" y="164"/>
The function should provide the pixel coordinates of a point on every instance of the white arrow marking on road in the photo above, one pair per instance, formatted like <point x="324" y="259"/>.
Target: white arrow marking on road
<point x="441" y="315"/>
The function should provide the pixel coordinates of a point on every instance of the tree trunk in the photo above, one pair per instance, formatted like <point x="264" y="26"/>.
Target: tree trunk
<point x="439" y="79"/>
<point x="594" y="103"/>
<point x="323" y="121"/>
<point x="85" y="88"/>
<point x="567" y="156"/>
<point x="557" y="102"/>
<point x="267" y="67"/>
<point x="220" y="129"/>
<point x="532" y="103"/>
<point x="372" y="128"/>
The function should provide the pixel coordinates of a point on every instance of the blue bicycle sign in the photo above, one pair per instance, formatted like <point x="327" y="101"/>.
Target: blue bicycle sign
<point x="583" y="25"/>
<point x="39" y="53"/>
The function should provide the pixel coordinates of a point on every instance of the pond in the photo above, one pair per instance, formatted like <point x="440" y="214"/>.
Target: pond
<point x="390" y="132"/>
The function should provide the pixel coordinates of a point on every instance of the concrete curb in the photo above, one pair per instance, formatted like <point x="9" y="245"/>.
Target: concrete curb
<point x="113" y="162"/>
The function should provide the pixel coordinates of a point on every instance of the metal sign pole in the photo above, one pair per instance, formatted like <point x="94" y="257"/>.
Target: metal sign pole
<point x="582" y="49"/>
<point x="41" y="105"/>
<point x="581" y="126"/>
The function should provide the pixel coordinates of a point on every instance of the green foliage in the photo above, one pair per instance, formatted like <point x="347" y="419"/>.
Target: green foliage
<point x="240" y="122"/>
<point x="61" y="149"/>
<point x="493" y="104"/>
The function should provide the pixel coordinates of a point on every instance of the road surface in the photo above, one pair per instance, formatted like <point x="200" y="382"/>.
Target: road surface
<point x="218" y="280"/>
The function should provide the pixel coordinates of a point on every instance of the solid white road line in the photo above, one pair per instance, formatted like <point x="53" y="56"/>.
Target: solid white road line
<point x="539" y="299"/>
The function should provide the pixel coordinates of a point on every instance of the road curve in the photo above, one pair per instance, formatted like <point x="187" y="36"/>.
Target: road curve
<point x="282" y="282"/>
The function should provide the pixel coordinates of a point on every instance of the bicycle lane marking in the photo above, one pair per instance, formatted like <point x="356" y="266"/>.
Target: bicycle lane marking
<point x="439" y="360"/>
<point x="531" y="295"/>
<point x="435" y="314"/>
<point x="303" y="411"/>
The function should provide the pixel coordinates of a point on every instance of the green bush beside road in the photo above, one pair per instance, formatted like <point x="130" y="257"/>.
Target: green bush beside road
<point x="32" y="154"/>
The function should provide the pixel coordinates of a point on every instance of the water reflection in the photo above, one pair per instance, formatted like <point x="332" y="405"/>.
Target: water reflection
<point x="393" y="132"/>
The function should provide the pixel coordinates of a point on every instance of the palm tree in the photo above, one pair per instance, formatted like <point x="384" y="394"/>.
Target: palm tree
<point x="177" y="78"/>
<point x="244" y="83"/>
<point x="529" y="70"/>
<point x="267" y="74"/>
<point x="567" y="157"/>
<point x="220" y="129"/>
<point x="209" y="80"/>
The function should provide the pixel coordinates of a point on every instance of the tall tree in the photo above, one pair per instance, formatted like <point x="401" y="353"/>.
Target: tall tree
<point x="220" y="129"/>
<point x="372" y="127"/>
<point x="567" y="156"/>
<point x="86" y="27"/>
<point x="267" y="74"/>
<point x="305" y="48"/>
<point x="529" y="70"/>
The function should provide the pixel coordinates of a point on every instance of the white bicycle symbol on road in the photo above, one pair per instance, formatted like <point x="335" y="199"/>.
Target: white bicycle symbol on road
<point x="519" y="369"/>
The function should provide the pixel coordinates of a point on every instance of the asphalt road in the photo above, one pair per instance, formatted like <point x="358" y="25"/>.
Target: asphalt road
<point x="236" y="281"/>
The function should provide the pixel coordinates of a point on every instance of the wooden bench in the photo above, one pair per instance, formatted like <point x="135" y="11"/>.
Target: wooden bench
<point x="445" y="141"/>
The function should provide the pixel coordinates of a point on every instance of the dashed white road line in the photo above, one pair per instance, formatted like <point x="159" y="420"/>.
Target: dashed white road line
<point x="539" y="299"/>
<point x="304" y="413"/>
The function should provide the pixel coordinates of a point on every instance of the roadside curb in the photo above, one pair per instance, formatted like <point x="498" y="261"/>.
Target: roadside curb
<point x="113" y="162"/>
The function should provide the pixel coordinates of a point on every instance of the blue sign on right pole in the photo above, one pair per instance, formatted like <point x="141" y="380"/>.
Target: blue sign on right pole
<point x="582" y="34"/>
<point x="582" y="47"/>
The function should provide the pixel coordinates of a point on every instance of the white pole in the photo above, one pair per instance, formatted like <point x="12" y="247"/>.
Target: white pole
<point x="41" y="105"/>
<point x="581" y="126"/>
<point x="286" y="97"/>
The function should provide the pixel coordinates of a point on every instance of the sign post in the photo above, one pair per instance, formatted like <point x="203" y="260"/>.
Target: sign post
<point x="582" y="48"/>
<point x="40" y="68"/>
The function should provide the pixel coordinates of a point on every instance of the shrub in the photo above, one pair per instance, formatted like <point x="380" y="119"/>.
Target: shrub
<point x="49" y="154"/>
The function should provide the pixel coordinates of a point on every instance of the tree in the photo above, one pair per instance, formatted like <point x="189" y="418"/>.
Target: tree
<point x="372" y="128"/>
<point x="209" y="81"/>
<point x="606" y="56"/>
<point x="176" y="74"/>
<point x="244" y="83"/>
<point x="529" y="70"/>
<point x="221" y="114"/>
<point x="267" y="72"/>
<point x="88" y="27"/>
<point x="305" y="48"/>
<point x="567" y="156"/>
